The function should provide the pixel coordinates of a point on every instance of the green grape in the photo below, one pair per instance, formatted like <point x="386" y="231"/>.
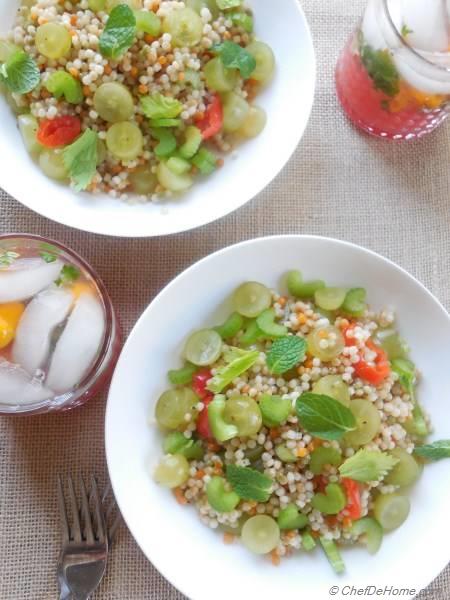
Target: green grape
<point x="371" y="531"/>
<point x="124" y="140"/>
<point x="335" y="342"/>
<point x="260" y="534"/>
<point x="172" y="471"/>
<point x="173" y="406"/>
<point x="7" y="49"/>
<point x="113" y="102"/>
<point x="97" y="5"/>
<point x="148" y="22"/>
<point x="203" y="347"/>
<point x="170" y="181"/>
<point x="244" y="413"/>
<point x="265" y="61"/>
<point x="221" y="499"/>
<point x="185" y="26"/>
<point x="254" y="123"/>
<point x="330" y="298"/>
<point x="235" y="111"/>
<point x="251" y="298"/>
<point x="28" y="127"/>
<point x="368" y="423"/>
<point x="197" y="5"/>
<point x="334" y="386"/>
<point x="143" y="181"/>
<point x="391" y="510"/>
<point x="218" y="78"/>
<point x="52" y="164"/>
<point x="101" y="151"/>
<point x="134" y="4"/>
<point x="406" y="472"/>
<point x="53" y="40"/>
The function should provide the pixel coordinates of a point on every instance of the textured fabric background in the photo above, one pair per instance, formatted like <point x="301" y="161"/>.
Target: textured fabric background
<point x="392" y="198"/>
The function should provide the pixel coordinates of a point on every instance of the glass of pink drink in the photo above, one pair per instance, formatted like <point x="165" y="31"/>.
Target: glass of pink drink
<point x="393" y="75"/>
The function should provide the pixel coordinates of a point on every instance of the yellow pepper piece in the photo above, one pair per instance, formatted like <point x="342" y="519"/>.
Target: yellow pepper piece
<point x="9" y="319"/>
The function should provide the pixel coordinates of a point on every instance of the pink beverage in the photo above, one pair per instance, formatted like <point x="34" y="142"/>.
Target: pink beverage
<point x="393" y="76"/>
<point x="59" y="337"/>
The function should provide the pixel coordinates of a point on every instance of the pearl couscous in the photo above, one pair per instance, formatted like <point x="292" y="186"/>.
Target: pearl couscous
<point x="296" y="422"/>
<point x="134" y="98"/>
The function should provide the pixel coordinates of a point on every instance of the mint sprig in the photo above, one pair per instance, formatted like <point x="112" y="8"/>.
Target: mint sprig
<point x="381" y="69"/>
<point x="234" y="56"/>
<point x="285" y="353"/>
<point x="7" y="258"/>
<point x="119" y="33"/>
<point x="68" y="275"/>
<point x="80" y="159"/>
<point x="20" y="73"/>
<point x="248" y="483"/>
<point x="323" y="416"/>
<point x="368" y="465"/>
<point x="435" y="451"/>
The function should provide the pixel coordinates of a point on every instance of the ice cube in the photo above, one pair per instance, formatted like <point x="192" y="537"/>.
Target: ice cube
<point x="26" y="278"/>
<point x="78" y="344"/>
<point x="377" y="30"/>
<point x="45" y="312"/>
<point x="428" y="21"/>
<point x="17" y="387"/>
<point x="422" y="77"/>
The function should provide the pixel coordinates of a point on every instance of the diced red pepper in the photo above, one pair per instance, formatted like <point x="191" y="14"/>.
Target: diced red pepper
<point x="53" y="133"/>
<point x="353" y="508"/>
<point x="376" y="373"/>
<point x="203" y="428"/>
<point x="199" y="381"/>
<point x="212" y="122"/>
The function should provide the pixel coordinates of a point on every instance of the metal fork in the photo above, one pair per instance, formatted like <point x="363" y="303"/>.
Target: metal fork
<point x="82" y="561"/>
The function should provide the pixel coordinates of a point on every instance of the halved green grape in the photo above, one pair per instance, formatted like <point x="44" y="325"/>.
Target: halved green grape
<point x="391" y="510"/>
<point x="182" y="376"/>
<point x="53" y="40"/>
<point x="334" y="386"/>
<point x="125" y="140"/>
<point x="148" y="22"/>
<point x="330" y="298"/>
<point x="101" y="151"/>
<point x="28" y="126"/>
<point x="134" y="4"/>
<point x="302" y="289"/>
<point x="173" y="406"/>
<point x="332" y="501"/>
<point x="251" y="298"/>
<point x="169" y="180"/>
<point x="197" y="5"/>
<point x="221" y="499"/>
<point x="231" y="327"/>
<point x="371" y="531"/>
<point x="274" y="409"/>
<point x="143" y="181"/>
<point x="406" y="472"/>
<point x="260" y="534"/>
<point x="218" y="77"/>
<point x="392" y="343"/>
<point x="203" y="347"/>
<point x="332" y="553"/>
<point x="235" y="111"/>
<point x="355" y="302"/>
<point x="185" y="26"/>
<point x="7" y="49"/>
<point x="179" y="166"/>
<point x="243" y="412"/>
<point x="113" y="102"/>
<point x="265" y="61"/>
<point x="51" y="162"/>
<point x="193" y="139"/>
<point x="368" y="423"/>
<point x="291" y="518"/>
<point x="334" y="342"/>
<point x="254" y="123"/>
<point x="172" y="471"/>
<point x="285" y="454"/>
<point x="324" y="456"/>
<point x="266" y="322"/>
<point x="97" y="5"/>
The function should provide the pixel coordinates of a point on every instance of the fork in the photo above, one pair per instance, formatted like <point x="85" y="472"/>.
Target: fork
<point x="82" y="561"/>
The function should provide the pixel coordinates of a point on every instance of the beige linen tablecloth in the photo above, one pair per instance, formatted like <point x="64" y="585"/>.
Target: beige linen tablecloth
<point x="392" y="198"/>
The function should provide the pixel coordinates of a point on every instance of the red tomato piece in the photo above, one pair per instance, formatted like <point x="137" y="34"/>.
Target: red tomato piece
<point x="353" y="508"/>
<point x="203" y="428"/>
<point x="379" y="371"/>
<point x="61" y="131"/>
<point x="212" y="122"/>
<point x="199" y="382"/>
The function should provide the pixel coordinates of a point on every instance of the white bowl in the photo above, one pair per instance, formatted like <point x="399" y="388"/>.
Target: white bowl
<point x="287" y="100"/>
<point x="191" y="556"/>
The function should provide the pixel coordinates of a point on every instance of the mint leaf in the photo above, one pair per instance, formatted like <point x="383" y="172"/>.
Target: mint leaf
<point x="435" y="451"/>
<point x="381" y="69"/>
<point x="225" y="4"/>
<point x="249" y="484"/>
<point x="80" y="159"/>
<point x="285" y="353"/>
<point x="48" y="256"/>
<point x="7" y="258"/>
<point x="225" y="375"/>
<point x="406" y="30"/>
<point x="20" y="73"/>
<point x="406" y="372"/>
<point x="367" y="465"/>
<point x="234" y="56"/>
<point x="323" y="416"/>
<point x="68" y="275"/>
<point x="158" y="106"/>
<point x="242" y="19"/>
<point x="119" y="33"/>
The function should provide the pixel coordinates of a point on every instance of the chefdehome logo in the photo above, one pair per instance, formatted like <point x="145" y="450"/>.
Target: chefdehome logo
<point x="388" y="591"/>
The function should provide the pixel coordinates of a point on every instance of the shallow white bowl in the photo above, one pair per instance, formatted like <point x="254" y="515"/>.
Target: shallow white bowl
<point x="193" y="557"/>
<point x="287" y="100"/>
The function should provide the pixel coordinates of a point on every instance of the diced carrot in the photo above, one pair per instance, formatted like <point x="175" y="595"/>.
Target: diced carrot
<point x="148" y="38"/>
<point x="73" y="20"/>
<point x="282" y="301"/>
<point x="134" y="71"/>
<point x="302" y="452"/>
<point x="162" y="60"/>
<point x="179" y="495"/>
<point x="228" y="538"/>
<point x="200" y="474"/>
<point x="143" y="89"/>
<point x="274" y="432"/>
<point x="275" y="558"/>
<point x="301" y="317"/>
<point x="87" y="90"/>
<point x="74" y="72"/>
<point x="107" y="69"/>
